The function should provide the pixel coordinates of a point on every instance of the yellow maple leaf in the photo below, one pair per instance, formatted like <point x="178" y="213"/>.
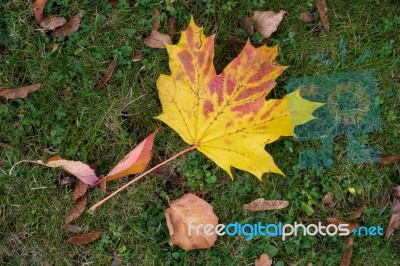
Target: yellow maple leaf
<point x="225" y="116"/>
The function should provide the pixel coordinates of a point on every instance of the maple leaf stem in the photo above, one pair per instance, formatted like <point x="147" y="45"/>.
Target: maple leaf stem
<point x="97" y="204"/>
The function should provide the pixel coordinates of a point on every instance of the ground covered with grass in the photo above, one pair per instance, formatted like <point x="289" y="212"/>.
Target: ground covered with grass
<point x="100" y="127"/>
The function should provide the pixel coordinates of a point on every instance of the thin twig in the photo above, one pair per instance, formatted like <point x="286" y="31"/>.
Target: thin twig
<point x="97" y="204"/>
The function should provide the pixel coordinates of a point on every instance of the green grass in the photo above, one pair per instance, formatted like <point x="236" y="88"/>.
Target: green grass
<point x="100" y="127"/>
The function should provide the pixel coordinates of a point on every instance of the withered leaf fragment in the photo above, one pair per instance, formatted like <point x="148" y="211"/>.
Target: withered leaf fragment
<point x="346" y="259"/>
<point x="51" y="22"/>
<point x="85" y="238"/>
<point x="267" y="22"/>
<point x="265" y="205"/>
<point x="80" y="190"/>
<point x="263" y="260"/>
<point x="390" y="159"/>
<point x="337" y="222"/>
<point x="171" y="26"/>
<point x="246" y="24"/>
<point x="107" y="75"/>
<point x="68" y="28"/>
<point x="157" y="39"/>
<point x="323" y="13"/>
<point x="394" y="222"/>
<point x="79" y="207"/>
<point x="21" y="92"/>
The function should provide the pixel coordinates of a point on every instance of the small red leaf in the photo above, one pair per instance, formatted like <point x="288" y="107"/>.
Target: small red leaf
<point x="135" y="162"/>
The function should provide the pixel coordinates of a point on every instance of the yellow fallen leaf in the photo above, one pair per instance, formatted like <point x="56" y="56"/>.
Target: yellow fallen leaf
<point x="226" y="116"/>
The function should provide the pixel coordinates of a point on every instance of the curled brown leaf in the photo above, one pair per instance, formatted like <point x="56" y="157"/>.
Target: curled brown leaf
<point x="390" y="159"/>
<point x="80" y="190"/>
<point x="85" y="238"/>
<point x="348" y="253"/>
<point x="107" y="75"/>
<point x="77" y="210"/>
<point x="323" y="13"/>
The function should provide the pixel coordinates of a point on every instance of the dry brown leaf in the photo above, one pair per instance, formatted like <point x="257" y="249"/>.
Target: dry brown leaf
<point x="80" y="190"/>
<point x="157" y="39"/>
<point x="263" y="260"/>
<point x="323" y="13"/>
<point x="306" y="17"/>
<point x="103" y="184"/>
<point x="156" y="19"/>
<point x="394" y="222"/>
<point x="68" y="28"/>
<point x="79" y="207"/>
<point x="190" y="208"/>
<point x="6" y="146"/>
<point x="359" y="210"/>
<point x="390" y="159"/>
<point x="267" y="22"/>
<point x="107" y="75"/>
<point x="51" y="22"/>
<point x="85" y="238"/>
<point x="66" y="180"/>
<point x="113" y="2"/>
<point x="346" y="259"/>
<point x="265" y="205"/>
<point x="337" y="222"/>
<point x="137" y="56"/>
<point x="66" y="94"/>
<point x="328" y="199"/>
<point x="38" y="10"/>
<point x="171" y="26"/>
<point x="247" y="25"/>
<point x="21" y="92"/>
<point x="74" y="229"/>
